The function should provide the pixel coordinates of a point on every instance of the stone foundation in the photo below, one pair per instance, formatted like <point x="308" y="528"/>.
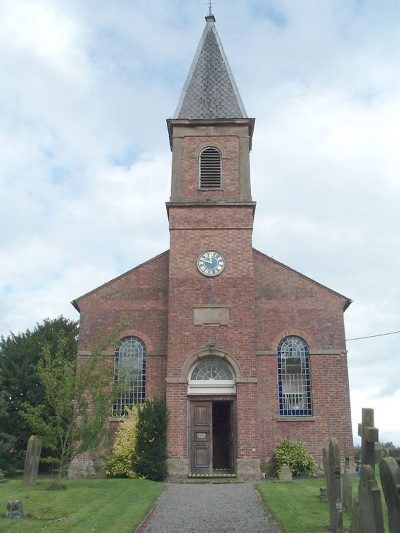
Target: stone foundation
<point x="177" y="468"/>
<point x="248" y="468"/>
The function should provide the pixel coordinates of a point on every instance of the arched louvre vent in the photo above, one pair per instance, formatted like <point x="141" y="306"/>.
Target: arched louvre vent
<point x="210" y="168"/>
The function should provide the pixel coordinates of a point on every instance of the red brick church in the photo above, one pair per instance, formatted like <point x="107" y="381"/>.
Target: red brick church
<point x="247" y="351"/>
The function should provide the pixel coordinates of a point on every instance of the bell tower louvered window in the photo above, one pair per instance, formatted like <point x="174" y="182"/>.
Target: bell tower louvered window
<point x="210" y="168"/>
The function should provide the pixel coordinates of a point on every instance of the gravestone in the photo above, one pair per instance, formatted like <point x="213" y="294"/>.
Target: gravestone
<point x="32" y="461"/>
<point x="285" y="475"/>
<point x="369" y="435"/>
<point x="390" y="479"/>
<point x="325" y="463"/>
<point x="334" y="491"/>
<point x="14" y="509"/>
<point x="347" y="487"/>
<point x="367" y="510"/>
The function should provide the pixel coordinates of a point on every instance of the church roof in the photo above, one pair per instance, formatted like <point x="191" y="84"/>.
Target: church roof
<point x="210" y="90"/>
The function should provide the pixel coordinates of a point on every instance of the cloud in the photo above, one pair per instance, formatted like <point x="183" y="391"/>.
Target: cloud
<point x="86" y="164"/>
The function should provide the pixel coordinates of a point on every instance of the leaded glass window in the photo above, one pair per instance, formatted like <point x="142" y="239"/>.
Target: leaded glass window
<point x="130" y="366"/>
<point x="294" y="377"/>
<point x="212" y="370"/>
<point x="210" y="168"/>
<point x="212" y="376"/>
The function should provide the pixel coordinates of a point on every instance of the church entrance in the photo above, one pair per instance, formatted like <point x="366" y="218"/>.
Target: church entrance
<point x="212" y="436"/>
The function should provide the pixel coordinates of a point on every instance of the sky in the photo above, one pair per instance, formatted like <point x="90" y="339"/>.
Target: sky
<point x="85" y="164"/>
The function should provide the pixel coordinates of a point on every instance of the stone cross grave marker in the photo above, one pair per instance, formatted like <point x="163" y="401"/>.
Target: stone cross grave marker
<point x="390" y="479"/>
<point x="367" y="511"/>
<point x="369" y="435"/>
<point x="334" y="492"/>
<point x="32" y="461"/>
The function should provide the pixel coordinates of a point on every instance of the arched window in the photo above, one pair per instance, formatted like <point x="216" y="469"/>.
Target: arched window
<point x="294" y="377"/>
<point x="210" y="168"/>
<point x="212" y="376"/>
<point x="130" y="366"/>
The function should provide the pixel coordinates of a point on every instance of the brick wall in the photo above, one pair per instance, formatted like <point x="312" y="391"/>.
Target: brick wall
<point x="288" y="303"/>
<point x="263" y="301"/>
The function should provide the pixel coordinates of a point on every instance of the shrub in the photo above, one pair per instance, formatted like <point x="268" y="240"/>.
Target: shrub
<point x="119" y="462"/>
<point x="295" y="456"/>
<point x="150" y="456"/>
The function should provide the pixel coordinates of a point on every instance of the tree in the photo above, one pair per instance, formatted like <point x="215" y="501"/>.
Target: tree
<point x="7" y="441"/>
<point x="80" y="398"/>
<point x="19" y="356"/>
<point x="149" y="459"/>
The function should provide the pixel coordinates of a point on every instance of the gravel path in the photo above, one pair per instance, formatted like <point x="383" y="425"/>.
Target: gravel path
<point x="203" y="508"/>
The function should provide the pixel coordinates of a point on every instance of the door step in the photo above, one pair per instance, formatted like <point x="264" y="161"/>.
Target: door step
<point x="215" y="477"/>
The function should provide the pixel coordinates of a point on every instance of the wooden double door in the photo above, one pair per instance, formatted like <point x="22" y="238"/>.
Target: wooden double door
<point x="212" y="436"/>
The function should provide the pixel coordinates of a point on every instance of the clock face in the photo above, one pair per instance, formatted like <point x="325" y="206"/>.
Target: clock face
<point x="210" y="263"/>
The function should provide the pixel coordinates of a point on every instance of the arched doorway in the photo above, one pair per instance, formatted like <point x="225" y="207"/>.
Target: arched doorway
<point x="212" y="428"/>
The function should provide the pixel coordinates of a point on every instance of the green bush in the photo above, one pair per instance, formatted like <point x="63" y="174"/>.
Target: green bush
<point x="119" y="462"/>
<point x="295" y="456"/>
<point x="149" y="459"/>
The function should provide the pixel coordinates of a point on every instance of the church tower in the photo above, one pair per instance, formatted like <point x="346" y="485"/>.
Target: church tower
<point x="211" y="316"/>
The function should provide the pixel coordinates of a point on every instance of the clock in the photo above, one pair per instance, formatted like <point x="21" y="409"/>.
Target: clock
<point x="210" y="263"/>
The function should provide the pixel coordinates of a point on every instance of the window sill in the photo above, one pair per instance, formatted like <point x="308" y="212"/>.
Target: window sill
<point x="291" y="418"/>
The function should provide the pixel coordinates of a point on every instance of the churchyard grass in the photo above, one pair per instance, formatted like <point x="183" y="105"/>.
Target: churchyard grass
<point x="298" y="508"/>
<point x="112" y="505"/>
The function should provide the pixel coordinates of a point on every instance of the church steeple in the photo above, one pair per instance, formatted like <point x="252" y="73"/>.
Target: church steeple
<point x="210" y="91"/>
<point x="210" y="133"/>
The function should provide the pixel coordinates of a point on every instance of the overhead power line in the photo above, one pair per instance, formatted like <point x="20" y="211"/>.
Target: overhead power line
<point x="371" y="336"/>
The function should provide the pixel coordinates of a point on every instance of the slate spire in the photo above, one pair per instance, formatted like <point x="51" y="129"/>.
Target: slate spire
<point x="210" y="90"/>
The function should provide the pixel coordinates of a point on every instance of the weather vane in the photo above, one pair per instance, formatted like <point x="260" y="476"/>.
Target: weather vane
<point x="210" y="4"/>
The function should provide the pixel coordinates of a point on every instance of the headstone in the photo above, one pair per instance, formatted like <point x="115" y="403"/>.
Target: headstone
<point x="355" y="526"/>
<point x="32" y="461"/>
<point x="390" y="479"/>
<point x="325" y="462"/>
<point x="2" y="478"/>
<point x="323" y="493"/>
<point x="14" y="509"/>
<point x="347" y="487"/>
<point x="367" y="510"/>
<point x="285" y="475"/>
<point x="334" y="492"/>
<point x="369" y="435"/>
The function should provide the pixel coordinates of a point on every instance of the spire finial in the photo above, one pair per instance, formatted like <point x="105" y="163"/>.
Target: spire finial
<point x="210" y="15"/>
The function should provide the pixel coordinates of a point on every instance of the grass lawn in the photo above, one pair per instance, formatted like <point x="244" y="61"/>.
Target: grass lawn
<point x="86" y="505"/>
<point x="298" y="508"/>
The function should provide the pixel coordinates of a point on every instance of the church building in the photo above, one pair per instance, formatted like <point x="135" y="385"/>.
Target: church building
<point x="247" y="351"/>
